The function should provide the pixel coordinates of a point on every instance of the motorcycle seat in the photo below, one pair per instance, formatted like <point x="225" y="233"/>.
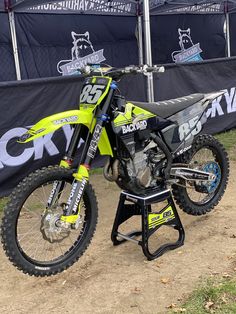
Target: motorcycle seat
<point x="169" y="107"/>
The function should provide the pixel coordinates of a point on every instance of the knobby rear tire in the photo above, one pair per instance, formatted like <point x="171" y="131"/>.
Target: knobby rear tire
<point x="180" y="193"/>
<point x="12" y="210"/>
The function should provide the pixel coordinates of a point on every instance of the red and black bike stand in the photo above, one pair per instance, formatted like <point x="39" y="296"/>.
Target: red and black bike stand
<point x="131" y="204"/>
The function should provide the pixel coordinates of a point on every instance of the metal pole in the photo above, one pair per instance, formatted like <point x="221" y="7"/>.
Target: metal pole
<point x="148" y="48"/>
<point x="14" y="43"/>
<point x="228" y="35"/>
<point x="140" y="40"/>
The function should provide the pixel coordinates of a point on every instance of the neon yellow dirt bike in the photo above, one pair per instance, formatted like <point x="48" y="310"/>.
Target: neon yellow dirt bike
<point x="52" y="214"/>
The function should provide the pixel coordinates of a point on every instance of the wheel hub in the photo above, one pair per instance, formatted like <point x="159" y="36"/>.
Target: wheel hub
<point x="210" y="186"/>
<point x="52" y="229"/>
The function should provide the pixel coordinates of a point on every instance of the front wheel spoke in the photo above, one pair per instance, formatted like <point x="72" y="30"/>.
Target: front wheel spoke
<point x="28" y="232"/>
<point x="30" y="212"/>
<point x="45" y="197"/>
<point x="59" y="246"/>
<point x="31" y="244"/>
<point x="71" y="241"/>
<point x="59" y="194"/>
<point x="40" y="201"/>
<point x="27" y="219"/>
<point x="37" y="247"/>
<point x="46" y="245"/>
<point x="23" y="234"/>
<point x="49" y="253"/>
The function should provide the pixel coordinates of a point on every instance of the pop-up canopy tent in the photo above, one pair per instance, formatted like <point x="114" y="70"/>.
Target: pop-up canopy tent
<point x="131" y="9"/>
<point x="79" y="8"/>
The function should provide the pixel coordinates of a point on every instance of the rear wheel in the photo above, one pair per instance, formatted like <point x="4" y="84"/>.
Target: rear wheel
<point x="198" y="197"/>
<point x="32" y="238"/>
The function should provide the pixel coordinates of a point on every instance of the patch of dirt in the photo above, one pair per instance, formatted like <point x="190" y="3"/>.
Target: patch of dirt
<point x="119" y="279"/>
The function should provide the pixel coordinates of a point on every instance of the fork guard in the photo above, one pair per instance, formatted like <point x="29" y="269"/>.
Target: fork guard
<point x="56" y="121"/>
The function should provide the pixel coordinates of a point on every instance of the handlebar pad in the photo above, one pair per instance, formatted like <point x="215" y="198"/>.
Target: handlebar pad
<point x="154" y="68"/>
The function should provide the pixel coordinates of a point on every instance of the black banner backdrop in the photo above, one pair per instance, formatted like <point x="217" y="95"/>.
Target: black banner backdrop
<point x="41" y="97"/>
<point x="169" y="34"/>
<point x="47" y="43"/>
<point x="232" y="21"/>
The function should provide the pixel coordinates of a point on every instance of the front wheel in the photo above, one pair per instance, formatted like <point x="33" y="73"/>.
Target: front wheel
<point x="31" y="238"/>
<point x="206" y="154"/>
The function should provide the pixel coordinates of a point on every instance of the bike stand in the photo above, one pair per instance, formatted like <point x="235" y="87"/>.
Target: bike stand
<point x="151" y="221"/>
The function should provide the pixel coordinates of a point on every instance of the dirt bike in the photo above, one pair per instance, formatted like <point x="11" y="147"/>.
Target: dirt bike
<point x="51" y="216"/>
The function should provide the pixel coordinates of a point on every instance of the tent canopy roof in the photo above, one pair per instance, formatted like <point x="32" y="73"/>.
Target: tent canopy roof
<point x="111" y="7"/>
<point x="191" y="6"/>
<point x="118" y="7"/>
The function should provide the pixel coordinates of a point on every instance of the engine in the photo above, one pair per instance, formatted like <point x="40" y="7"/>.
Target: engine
<point x="140" y="171"/>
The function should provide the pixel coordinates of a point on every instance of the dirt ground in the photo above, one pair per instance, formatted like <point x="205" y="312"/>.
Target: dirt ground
<point x="110" y="279"/>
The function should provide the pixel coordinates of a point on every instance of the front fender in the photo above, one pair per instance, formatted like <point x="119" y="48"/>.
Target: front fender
<point x="56" y="121"/>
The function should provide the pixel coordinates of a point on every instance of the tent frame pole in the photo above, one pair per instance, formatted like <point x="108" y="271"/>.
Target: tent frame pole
<point x="12" y="24"/>
<point x="140" y="40"/>
<point x="228" y="35"/>
<point x="148" y="48"/>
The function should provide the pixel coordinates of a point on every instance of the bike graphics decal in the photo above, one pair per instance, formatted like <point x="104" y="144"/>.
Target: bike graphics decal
<point x="91" y="93"/>
<point x="189" y="51"/>
<point x="65" y="120"/>
<point x="155" y="220"/>
<point x="140" y="125"/>
<point x="82" y="53"/>
<point x="190" y="128"/>
<point x="75" y="203"/>
<point x="94" y="142"/>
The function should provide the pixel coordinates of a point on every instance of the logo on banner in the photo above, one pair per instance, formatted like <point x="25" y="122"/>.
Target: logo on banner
<point x="82" y="53"/>
<point x="189" y="51"/>
<point x="37" y="149"/>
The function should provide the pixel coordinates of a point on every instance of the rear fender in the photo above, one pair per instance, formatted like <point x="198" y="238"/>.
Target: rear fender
<point x="54" y="122"/>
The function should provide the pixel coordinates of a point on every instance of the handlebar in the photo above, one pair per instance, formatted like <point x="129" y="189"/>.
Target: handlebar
<point x="118" y="73"/>
<point x="144" y="69"/>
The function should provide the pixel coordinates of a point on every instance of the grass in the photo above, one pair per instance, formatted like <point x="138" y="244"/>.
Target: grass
<point x="96" y="171"/>
<point x="228" y="139"/>
<point x="3" y="202"/>
<point x="213" y="296"/>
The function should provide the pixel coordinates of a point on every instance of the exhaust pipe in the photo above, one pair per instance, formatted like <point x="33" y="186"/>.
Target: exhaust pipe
<point x="110" y="171"/>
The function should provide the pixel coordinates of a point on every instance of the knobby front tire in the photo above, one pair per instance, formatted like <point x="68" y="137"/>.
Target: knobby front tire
<point x="25" y="231"/>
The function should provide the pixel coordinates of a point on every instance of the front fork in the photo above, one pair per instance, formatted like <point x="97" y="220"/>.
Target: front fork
<point x="81" y="177"/>
<point x="66" y="162"/>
